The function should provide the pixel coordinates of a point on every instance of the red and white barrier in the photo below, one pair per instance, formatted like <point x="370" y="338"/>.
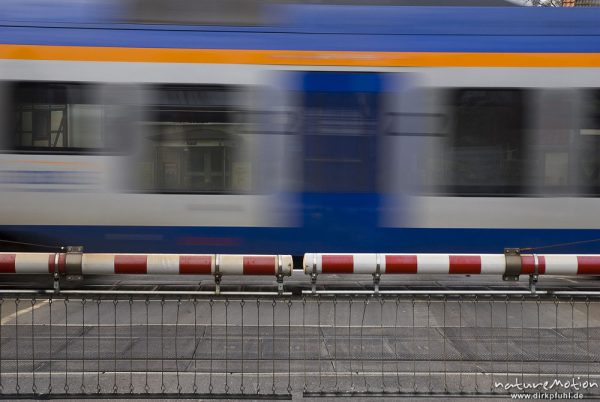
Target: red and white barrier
<point x="27" y="263"/>
<point x="547" y="264"/>
<point x="152" y="264"/>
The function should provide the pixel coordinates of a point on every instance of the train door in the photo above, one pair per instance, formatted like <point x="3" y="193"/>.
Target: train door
<point x="340" y="129"/>
<point x="410" y="149"/>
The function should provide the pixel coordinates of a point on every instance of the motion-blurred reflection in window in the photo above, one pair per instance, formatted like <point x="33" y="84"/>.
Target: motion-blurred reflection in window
<point x="58" y="117"/>
<point x="192" y="141"/>
<point x="589" y="161"/>
<point x="486" y="149"/>
<point x="554" y="147"/>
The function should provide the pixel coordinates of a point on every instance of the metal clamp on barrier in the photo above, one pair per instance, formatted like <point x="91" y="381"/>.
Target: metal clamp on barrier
<point x="313" y="275"/>
<point x="55" y="274"/>
<point x="73" y="260"/>
<point x="533" y="278"/>
<point x="513" y="264"/>
<point x="218" y="274"/>
<point x="279" y="275"/>
<point x="71" y="265"/>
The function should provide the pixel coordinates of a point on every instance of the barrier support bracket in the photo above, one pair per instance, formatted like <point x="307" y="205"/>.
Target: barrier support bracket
<point x="377" y="275"/>
<point x="533" y="278"/>
<point x="279" y="284"/>
<point x="313" y="282"/>
<point x="218" y="283"/>
<point x="532" y="282"/>
<point x="56" y="276"/>
<point x="376" y="280"/>
<point x="313" y="275"/>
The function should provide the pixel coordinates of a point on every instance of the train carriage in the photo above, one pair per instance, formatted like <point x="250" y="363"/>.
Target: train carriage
<point x="331" y="128"/>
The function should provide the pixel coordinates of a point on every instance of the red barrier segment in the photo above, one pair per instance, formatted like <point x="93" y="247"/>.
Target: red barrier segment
<point x="588" y="265"/>
<point x="464" y="264"/>
<point x="195" y="264"/>
<point x="259" y="265"/>
<point x="131" y="264"/>
<point x="401" y="264"/>
<point x="337" y="264"/>
<point x="8" y="263"/>
<point x="528" y="264"/>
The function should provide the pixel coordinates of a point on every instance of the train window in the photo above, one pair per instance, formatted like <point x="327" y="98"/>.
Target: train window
<point x="57" y="117"/>
<point x="589" y="159"/>
<point x="486" y="150"/>
<point x="193" y="142"/>
<point x="340" y="126"/>
<point x="554" y="144"/>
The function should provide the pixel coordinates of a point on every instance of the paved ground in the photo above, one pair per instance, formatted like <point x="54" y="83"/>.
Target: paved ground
<point x="300" y="281"/>
<point x="296" y="345"/>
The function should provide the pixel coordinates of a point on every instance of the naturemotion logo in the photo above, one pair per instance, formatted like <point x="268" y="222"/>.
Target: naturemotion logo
<point x="570" y="384"/>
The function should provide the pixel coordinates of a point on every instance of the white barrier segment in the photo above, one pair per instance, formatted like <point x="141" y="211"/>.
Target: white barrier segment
<point x="560" y="264"/>
<point x="163" y="264"/>
<point x="310" y="260"/>
<point x="213" y="264"/>
<point x="32" y="263"/>
<point x="287" y="265"/>
<point x="318" y="261"/>
<point x="231" y="264"/>
<point x="98" y="264"/>
<point x="365" y="264"/>
<point x="493" y="264"/>
<point x="433" y="263"/>
<point x="382" y="264"/>
<point x="307" y="263"/>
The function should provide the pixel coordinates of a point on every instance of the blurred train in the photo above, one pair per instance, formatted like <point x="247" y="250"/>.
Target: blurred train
<point x="330" y="128"/>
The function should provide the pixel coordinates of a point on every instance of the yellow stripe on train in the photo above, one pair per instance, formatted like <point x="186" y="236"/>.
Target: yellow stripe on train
<point x="299" y="57"/>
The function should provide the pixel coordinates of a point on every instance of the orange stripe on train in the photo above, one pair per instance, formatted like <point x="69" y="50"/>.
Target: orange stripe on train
<point x="299" y="57"/>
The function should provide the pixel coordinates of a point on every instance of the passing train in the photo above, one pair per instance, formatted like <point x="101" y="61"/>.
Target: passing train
<point x="330" y="128"/>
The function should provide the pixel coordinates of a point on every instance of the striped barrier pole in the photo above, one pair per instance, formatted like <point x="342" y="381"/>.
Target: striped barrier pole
<point x="75" y="262"/>
<point x="510" y="265"/>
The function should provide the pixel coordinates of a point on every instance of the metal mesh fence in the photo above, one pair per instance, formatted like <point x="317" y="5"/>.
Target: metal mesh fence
<point x="275" y="346"/>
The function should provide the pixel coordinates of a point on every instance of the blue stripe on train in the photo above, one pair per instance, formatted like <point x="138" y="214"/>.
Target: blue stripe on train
<point x="297" y="241"/>
<point x="312" y="18"/>
<point x="299" y="41"/>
